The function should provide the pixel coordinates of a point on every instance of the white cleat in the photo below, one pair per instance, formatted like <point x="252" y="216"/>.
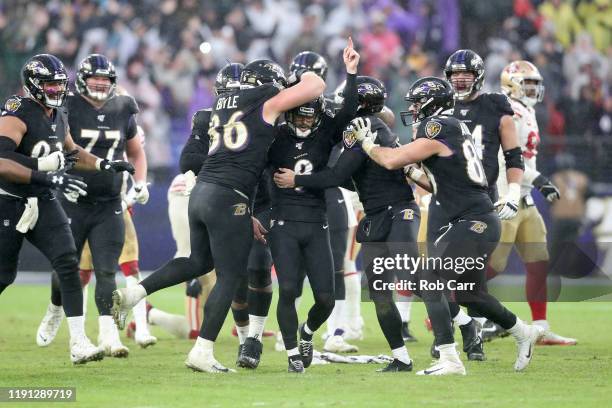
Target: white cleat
<point x="113" y="347"/>
<point x="279" y="345"/>
<point x="552" y="339"/>
<point x="199" y="360"/>
<point x="446" y="367"/>
<point x="144" y="339"/>
<point x="82" y="351"/>
<point x="124" y="299"/>
<point x="336" y="344"/>
<point x="49" y="325"/>
<point x="526" y="346"/>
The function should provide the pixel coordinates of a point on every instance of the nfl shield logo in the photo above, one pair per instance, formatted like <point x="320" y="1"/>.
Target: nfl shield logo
<point x="53" y="127"/>
<point x="101" y="118"/>
<point x="6" y="223"/>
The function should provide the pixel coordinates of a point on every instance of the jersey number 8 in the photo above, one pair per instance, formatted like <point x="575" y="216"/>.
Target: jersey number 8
<point x="474" y="168"/>
<point x="235" y="135"/>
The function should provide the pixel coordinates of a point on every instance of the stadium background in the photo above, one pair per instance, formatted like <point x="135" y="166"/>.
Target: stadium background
<point x="167" y="54"/>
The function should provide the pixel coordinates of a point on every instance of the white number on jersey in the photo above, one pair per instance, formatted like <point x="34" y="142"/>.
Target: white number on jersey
<point x="42" y="149"/>
<point x="94" y="136"/>
<point x="475" y="171"/>
<point x="477" y="138"/>
<point x="302" y="167"/>
<point x="235" y="135"/>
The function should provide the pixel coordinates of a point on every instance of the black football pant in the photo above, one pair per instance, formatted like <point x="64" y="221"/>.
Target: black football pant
<point x="254" y="293"/>
<point x="101" y="223"/>
<point x="400" y="240"/>
<point x="292" y="243"/>
<point x="474" y="237"/>
<point x="52" y="236"/>
<point x="338" y="232"/>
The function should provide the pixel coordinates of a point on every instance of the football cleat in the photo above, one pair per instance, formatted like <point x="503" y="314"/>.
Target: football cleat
<point x="123" y="301"/>
<point x="251" y="353"/>
<point x="112" y="346"/>
<point x="144" y="339"/>
<point x="472" y="343"/>
<point x="239" y="354"/>
<point x="204" y="361"/>
<point x="305" y="347"/>
<point x="337" y="344"/>
<point x="526" y="346"/>
<point x="49" y="325"/>
<point x="552" y="339"/>
<point x="296" y="365"/>
<point x="354" y="331"/>
<point x="491" y="331"/>
<point x="396" y="366"/>
<point x="82" y="351"/>
<point x="446" y="367"/>
<point x="406" y="335"/>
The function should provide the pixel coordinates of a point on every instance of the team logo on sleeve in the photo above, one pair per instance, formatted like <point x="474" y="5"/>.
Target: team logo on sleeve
<point x="432" y="129"/>
<point x="12" y="105"/>
<point x="349" y="137"/>
<point x="478" y="227"/>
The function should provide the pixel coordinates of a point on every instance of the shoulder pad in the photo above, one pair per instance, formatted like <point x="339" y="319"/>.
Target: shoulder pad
<point x="131" y="104"/>
<point x="501" y="103"/>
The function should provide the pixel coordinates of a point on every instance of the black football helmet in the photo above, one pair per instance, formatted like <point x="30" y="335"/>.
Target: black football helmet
<point x="465" y="61"/>
<point x="310" y="61"/>
<point x="427" y="97"/>
<point x="96" y="65"/>
<point x="372" y="95"/>
<point x="263" y="71"/>
<point x="40" y="70"/>
<point x="228" y="78"/>
<point x="296" y="118"/>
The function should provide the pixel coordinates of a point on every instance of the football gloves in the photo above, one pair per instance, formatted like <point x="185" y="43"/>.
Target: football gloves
<point x="547" y="188"/>
<point x="508" y="206"/>
<point x="141" y="192"/>
<point x="51" y="162"/>
<point x="116" y="166"/>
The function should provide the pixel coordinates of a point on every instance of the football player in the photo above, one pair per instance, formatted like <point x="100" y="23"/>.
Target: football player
<point x="299" y="232"/>
<point x="35" y="132"/>
<point x="103" y="122"/>
<point x="387" y="199"/>
<point x="488" y="116"/>
<point x="522" y="83"/>
<point x="457" y="178"/>
<point x="221" y="227"/>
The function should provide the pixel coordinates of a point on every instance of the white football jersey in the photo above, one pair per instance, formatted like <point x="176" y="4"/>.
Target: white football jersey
<point x="529" y="140"/>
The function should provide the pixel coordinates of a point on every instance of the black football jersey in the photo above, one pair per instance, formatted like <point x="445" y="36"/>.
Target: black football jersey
<point x="262" y="200"/>
<point x="482" y="117"/>
<point x="459" y="181"/>
<point x="103" y="132"/>
<point x="43" y="136"/>
<point x="195" y="150"/>
<point x="377" y="187"/>
<point x="239" y="139"/>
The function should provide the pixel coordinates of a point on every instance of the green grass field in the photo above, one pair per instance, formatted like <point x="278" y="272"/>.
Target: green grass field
<point x="156" y="377"/>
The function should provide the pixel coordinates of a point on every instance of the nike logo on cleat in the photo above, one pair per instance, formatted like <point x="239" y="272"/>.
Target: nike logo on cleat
<point x="529" y="353"/>
<point x="427" y="372"/>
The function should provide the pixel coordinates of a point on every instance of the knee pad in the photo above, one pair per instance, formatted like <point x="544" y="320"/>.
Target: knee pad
<point x="105" y="277"/>
<point x="326" y="300"/>
<point x="65" y="264"/>
<point x="194" y="288"/>
<point x="259" y="278"/>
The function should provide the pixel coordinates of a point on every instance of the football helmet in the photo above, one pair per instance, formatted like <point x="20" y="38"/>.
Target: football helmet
<point x="465" y="61"/>
<point x="306" y="118"/>
<point x="513" y="82"/>
<point x="310" y="61"/>
<point x="427" y="97"/>
<point x="96" y="65"/>
<point x="372" y="95"/>
<point x="228" y="78"/>
<point x="262" y="71"/>
<point x="45" y="69"/>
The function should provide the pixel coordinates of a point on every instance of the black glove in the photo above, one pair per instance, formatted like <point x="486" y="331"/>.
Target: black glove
<point x="547" y="188"/>
<point x="62" y="181"/>
<point x="70" y="159"/>
<point x="116" y="166"/>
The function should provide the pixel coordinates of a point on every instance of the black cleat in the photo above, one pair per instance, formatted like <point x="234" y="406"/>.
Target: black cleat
<point x="491" y="331"/>
<point x="406" y="333"/>
<point x="296" y="365"/>
<point x="240" y="346"/>
<point x="251" y="353"/>
<point x="305" y="347"/>
<point x="395" y="367"/>
<point x="472" y="343"/>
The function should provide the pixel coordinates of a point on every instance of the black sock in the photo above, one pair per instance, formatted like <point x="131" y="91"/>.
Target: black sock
<point x="390" y="323"/>
<point x="259" y="302"/>
<point x="56" y="294"/>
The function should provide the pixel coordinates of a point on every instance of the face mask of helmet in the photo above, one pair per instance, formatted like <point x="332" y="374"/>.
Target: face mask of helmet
<point x="54" y="93"/>
<point x="463" y="83"/>
<point x="303" y="120"/>
<point x="533" y="91"/>
<point x="99" y="89"/>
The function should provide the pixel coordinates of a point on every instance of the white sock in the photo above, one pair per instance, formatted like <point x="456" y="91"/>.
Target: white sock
<point x="76" y="327"/>
<point x="85" y="291"/>
<point x="243" y="333"/>
<point x="107" y="328"/>
<point x="174" y="324"/>
<point x="339" y="322"/>
<point x="138" y="292"/>
<point x="293" y="352"/>
<point x="481" y="320"/>
<point x="307" y="329"/>
<point x="542" y="323"/>
<point x="448" y="352"/>
<point x="205" y="345"/>
<point x="53" y="308"/>
<point x="298" y="300"/>
<point x="352" y="304"/>
<point x="404" y="306"/>
<point x="256" y="326"/>
<point x="140" y="310"/>
<point x="519" y="330"/>
<point x="462" y="318"/>
<point x="401" y="354"/>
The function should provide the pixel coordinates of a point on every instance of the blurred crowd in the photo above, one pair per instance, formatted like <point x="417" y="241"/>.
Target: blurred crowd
<point x="167" y="52"/>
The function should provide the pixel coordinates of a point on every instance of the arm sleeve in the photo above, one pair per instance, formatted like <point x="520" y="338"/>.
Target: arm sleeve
<point x="193" y="155"/>
<point x="349" y="108"/>
<point x="7" y="151"/>
<point x="348" y="162"/>
<point x="132" y="128"/>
